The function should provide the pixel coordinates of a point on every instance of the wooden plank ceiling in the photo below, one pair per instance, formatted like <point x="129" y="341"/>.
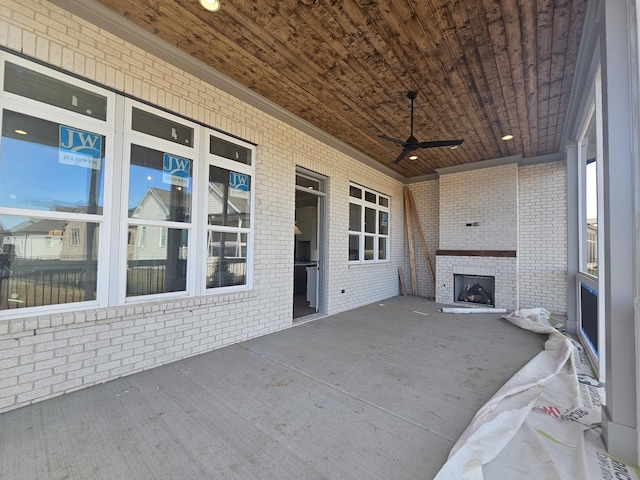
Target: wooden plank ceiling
<point x="482" y="68"/>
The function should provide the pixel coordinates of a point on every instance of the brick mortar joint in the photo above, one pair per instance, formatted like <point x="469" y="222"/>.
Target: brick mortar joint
<point x="41" y="324"/>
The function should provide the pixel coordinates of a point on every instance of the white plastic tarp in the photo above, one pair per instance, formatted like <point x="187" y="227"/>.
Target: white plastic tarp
<point x="543" y="423"/>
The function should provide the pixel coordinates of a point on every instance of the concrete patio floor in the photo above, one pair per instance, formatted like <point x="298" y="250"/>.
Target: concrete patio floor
<point x="379" y="392"/>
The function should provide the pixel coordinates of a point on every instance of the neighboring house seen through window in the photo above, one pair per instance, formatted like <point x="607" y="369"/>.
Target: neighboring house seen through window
<point x="71" y="195"/>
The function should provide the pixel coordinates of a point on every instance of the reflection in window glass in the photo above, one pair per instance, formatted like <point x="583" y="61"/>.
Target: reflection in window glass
<point x="48" y="166"/>
<point x="373" y="233"/>
<point x="153" y="268"/>
<point x="382" y="248"/>
<point x="369" y="220"/>
<point x="161" y="127"/>
<point x="354" y="247"/>
<point x="383" y="223"/>
<point x="47" y="262"/>
<point x="232" y="151"/>
<point x="368" y="248"/>
<point x="370" y="197"/>
<point x="37" y="86"/>
<point x="355" y="217"/>
<point x="229" y="198"/>
<point x="592" y="217"/>
<point x="159" y="185"/>
<point x="226" y="259"/>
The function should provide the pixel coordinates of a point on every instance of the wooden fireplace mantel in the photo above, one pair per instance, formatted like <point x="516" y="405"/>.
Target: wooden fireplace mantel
<point x="477" y="253"/>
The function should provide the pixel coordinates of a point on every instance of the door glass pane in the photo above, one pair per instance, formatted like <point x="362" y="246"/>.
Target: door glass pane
<point x="355" y="192"/>
<point x="382" y="248"/>
<point x="354" y="247"/>
<point x="368" y="248"/>
<point x="47" y="262"/>
<point x="226" y="259"/>
<point x="159" y="185"/>
<point x="229" y="198"/>
<point x="154" y="268"/>
<point x="383" y="201"/>
<point x="355" y="217"/>
<point x="37" y="86"/>
<point x="369" y="220"/>
<point x="48" y="166"/>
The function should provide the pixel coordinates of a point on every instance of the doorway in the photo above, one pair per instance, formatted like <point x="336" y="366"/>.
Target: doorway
<point x="308" y="250"/>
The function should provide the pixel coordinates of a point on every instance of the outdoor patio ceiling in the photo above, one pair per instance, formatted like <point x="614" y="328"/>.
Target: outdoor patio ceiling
<point x="482" y="69"/>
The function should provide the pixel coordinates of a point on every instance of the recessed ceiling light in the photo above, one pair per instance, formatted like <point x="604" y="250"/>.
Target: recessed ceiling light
<point x="20" y="131"/>
<point x="507" y="137"/>
<point x="211" y="5"/>
<point x="454" y="147"/>
<point x="413" y="157"/>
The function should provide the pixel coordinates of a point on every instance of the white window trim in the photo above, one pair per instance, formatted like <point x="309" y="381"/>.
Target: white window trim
<point x="376" y="236"/>
<point x="113" y="220"/>
<point x="193" y="153"/>
<point x="27" y="106"/>
<point x="222" y="162"/>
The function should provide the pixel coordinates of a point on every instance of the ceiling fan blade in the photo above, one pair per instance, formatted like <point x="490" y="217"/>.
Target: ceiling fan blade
<point x="440" y="143"/>
<point x="394" y="140"/>
<point x="401" y="156"/>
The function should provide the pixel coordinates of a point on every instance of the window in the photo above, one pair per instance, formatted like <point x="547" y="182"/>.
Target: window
<point x="53" y="166"/>
<point x="159" y="205"/>
<point x="229" y="204"/>
<point x="368" y="225"/>
<point x="75" y="237"/>
<point x="179" y="209"/>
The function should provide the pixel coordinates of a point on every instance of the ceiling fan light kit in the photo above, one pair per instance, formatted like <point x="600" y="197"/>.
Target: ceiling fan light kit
<point x="412" y="143"/>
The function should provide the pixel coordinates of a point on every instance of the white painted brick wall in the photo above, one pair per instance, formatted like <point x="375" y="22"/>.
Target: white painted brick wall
<point x="426" y="196"/>
<point x="531" y="218"/>
<point x="97" y="345"/>
<point x="488" y="196"/>
<point x="543" y="237"/>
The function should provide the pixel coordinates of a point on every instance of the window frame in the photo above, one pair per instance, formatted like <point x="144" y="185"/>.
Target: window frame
<point x="191" y="152"/>
<point x="212" y="160"/>
<point x="106" y="128"/>
<point x="115" y="237"/>
<point x="362" y="234"/>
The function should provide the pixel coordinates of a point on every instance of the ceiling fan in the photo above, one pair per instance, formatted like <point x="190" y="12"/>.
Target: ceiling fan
<point x="412" y="143"/>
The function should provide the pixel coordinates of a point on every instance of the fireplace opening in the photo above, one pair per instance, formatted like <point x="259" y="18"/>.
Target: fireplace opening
<point x="476" y="289"/>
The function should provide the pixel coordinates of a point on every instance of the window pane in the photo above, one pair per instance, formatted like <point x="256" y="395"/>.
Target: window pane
<point x="382" y="248"/>
<point x="153" y="268"/>
<point x="34" y="85"/>
<point x="370" y="197"/>
<point x="355" y="217"/>
<point x="159" y="185"/>
<point x="592" y="217"/>
<point x="47" y="262"/>
<point x="226" y="259"/>
<point x="383" y="223"/>
<point x="229" y="198"/>
<point x="229" y="150"/>
<point x="369" y="220"/>
<point x="354" y="247"/>
<point x="383" y="201"/>
<point x="48" y="166"/>
<point x="161" y="127"/>
<point x="355" y="192"/>
<point x="368" y="248"/>
<point x="302" y="181"/>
